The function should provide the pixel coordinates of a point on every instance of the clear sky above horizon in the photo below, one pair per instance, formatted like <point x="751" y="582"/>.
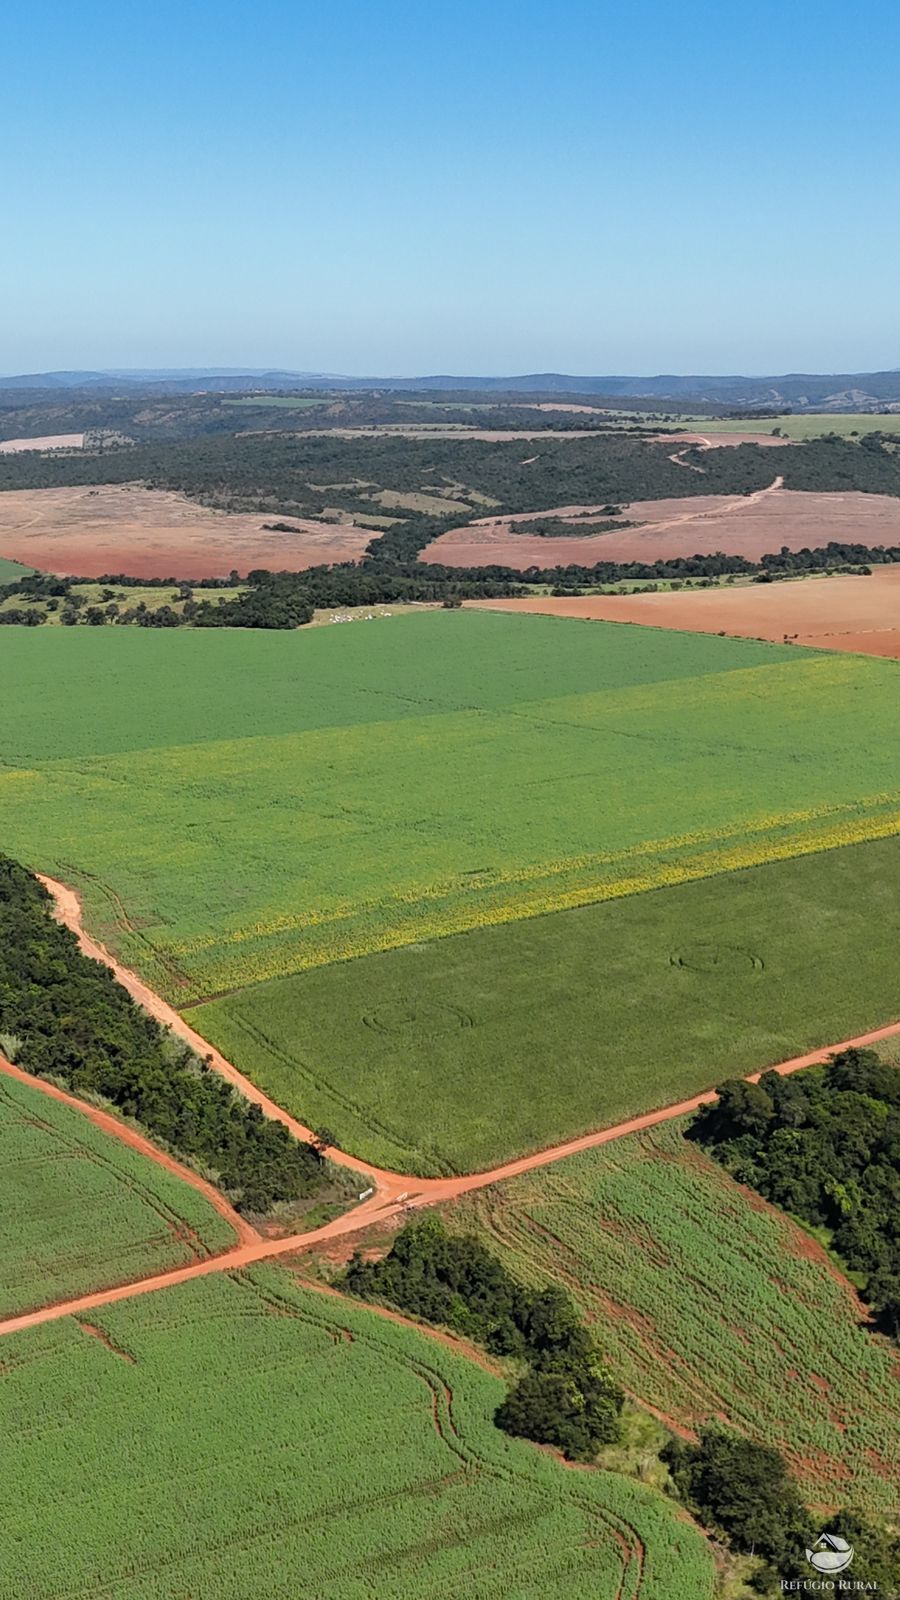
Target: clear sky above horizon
<point x="492" y="186"/>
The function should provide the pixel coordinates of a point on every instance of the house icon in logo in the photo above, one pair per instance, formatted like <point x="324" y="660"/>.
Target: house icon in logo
<point x="830" y="1553"/>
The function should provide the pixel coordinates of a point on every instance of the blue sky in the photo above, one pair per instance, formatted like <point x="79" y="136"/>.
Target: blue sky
<point x="401" y="187"/>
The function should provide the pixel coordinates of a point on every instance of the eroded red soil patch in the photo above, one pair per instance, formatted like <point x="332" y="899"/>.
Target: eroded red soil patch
<point x="151" y="533"/>
<point x="52" y="441"/>
<point x="716" y="441"/>
<point x="841" y="613"/>
<point x="749" y="525"/>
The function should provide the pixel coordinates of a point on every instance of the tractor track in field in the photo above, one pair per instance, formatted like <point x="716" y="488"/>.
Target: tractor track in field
<point x="395" y="1193"/>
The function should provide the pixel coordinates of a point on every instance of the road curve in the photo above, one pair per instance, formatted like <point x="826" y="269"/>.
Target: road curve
<point x="395" y="1192"/>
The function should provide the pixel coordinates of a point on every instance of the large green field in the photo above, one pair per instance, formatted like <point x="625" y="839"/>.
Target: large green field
<point x="239" y="1437"/>
<point x="80" y="1211"/>
<point x="457" y="1054"/>
<point x="237" y="807"/>
<point x="706" y="1302"/>
<point x="242" y="807"/>
<point x="804" y="425"/>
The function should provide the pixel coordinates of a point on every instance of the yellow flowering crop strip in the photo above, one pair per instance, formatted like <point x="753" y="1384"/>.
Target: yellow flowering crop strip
<point x="344" y="932"/>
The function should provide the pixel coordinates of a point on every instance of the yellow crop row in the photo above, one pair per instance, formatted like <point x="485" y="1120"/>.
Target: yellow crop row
<point x="863" y="819"/>
<point x="382" y="930"/>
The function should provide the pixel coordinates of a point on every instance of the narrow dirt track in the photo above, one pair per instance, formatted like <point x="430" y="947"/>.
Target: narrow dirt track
<point x="395" y="1192"/>
<point x="729" y="508"/>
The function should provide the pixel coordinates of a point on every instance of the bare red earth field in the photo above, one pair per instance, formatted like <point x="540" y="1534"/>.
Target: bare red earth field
<point x="748" y="525"/>
<point x="841" y="613"/>
<point x="150" y="533"/>
<point x="54" y="441"/>
<point x="715" y="441"/>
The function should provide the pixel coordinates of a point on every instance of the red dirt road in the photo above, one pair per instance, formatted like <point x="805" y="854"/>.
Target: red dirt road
<point x="394" y="1192"/>
<point x="68" y="911"/>
<point x="840" y="613"/>
<point x="748" y="525"/>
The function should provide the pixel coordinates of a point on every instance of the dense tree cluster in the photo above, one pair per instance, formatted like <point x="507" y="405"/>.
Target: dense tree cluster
<point x="271" y="600"/>
<point x="565" y="1398"/>
<point x="560" y="528"/>
<point x="832" y="554"/>
<point x="742" y="1491"/>
<point x="825" y="1145"/>
<point x="70" y="1020"/>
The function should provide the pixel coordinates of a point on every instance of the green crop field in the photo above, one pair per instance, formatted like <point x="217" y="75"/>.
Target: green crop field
<point x="79" y="1211"/>
<point x="706" y="1302"/>
<point x="284" y="402"/>
<point x="241" y="1437"/>
<point x="240" y="807"/>
<point x="457" y="1054"/>
<point x="12" y="570"/>
<point x="808" y="425"/>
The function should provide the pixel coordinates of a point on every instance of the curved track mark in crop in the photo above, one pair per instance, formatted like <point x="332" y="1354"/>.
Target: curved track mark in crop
<point x="136" y="1141"/>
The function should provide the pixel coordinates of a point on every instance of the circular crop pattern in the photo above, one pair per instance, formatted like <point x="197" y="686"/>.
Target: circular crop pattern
<point x="707" y="956"/>
<point x="420" y="1018"/>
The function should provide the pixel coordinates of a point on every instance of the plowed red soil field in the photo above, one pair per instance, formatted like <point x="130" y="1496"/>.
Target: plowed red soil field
<point x="748" y="525"/>
<point x="830" y="613"/>
<point x="715" y="441"/>
<point x="151" y="533"/>
<point x="55" y="441"/>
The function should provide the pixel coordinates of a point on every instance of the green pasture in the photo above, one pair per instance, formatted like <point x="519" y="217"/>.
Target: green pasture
<point x="705" y="1303"/>
<point x="123" y="597"/>
<point x="12" y="570"/>
<point x="284" y="402"/>
<point x="462" y="1053"/>
<point x="242" y="1437"/>
<point x="79" y="1211"/>
<point x="809" y="425"/>
<point x="239" y="806"/>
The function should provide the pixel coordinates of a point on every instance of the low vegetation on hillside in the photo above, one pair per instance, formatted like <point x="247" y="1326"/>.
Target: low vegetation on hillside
<point x="325" y="476"/>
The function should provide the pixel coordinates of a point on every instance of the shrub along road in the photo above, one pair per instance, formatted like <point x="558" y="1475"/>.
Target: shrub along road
<point x="393" y="1192"/>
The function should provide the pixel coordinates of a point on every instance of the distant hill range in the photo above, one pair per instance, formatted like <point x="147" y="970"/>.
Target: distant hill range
<point x="846" y="391"/>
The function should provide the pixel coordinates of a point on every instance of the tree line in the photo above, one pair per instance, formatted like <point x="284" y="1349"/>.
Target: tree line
<point x="64" y="1016"/>
<point x="289" y="599"/>
<point x="565" y="1397"/>
<point x="824" y="1145"/>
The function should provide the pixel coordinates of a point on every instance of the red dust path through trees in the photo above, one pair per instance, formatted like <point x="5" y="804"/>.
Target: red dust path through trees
<point x="394" y="1193"/>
